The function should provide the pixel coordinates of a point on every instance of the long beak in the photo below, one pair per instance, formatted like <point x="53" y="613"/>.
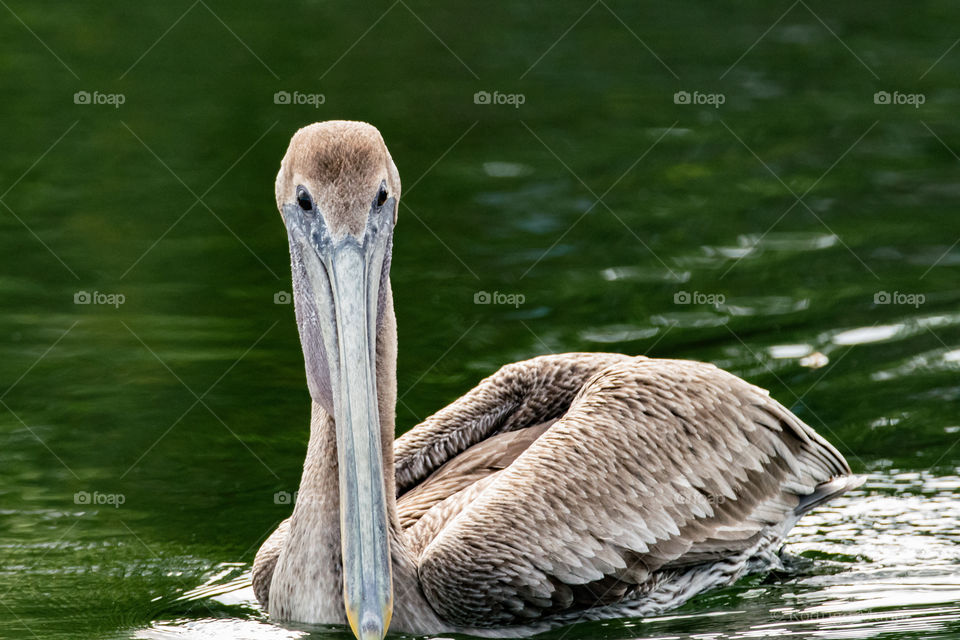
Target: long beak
<point x="345" y="275"/>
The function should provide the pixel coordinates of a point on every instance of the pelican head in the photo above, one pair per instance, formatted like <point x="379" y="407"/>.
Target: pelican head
<point x="338" y="190"/>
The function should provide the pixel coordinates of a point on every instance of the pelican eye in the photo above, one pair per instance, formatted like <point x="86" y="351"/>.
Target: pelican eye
<point x="304" y="199"/>
<point x="381" y="196"/>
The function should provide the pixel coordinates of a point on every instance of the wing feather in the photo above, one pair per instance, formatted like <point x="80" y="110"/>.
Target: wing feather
<point x="518" y="395"/>
<point x="656" y="464"/>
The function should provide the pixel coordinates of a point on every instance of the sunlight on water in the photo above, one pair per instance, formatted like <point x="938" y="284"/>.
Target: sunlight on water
<point x="866" y="335"/>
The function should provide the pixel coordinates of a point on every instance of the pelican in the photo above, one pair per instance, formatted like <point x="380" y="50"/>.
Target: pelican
<point x="579" y="486"/>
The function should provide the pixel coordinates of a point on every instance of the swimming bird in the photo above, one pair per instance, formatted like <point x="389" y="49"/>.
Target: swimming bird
<point x="579" y="486"/>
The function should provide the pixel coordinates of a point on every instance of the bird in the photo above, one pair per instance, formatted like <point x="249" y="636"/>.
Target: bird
<point x="566" y="487"/>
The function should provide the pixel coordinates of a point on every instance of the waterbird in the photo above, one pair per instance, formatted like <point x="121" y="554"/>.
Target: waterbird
<point x="578" y="486"/>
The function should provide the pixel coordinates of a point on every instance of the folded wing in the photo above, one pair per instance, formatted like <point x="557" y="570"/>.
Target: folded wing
<point x="654" y="465"/>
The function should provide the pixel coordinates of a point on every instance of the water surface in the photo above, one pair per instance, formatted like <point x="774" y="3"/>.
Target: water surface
<point x="800" y="234"/>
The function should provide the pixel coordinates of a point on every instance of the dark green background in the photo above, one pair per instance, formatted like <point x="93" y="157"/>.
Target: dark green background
<point x="168" y="200"/>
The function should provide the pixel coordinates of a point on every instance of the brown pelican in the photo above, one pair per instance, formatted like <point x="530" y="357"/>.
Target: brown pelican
<point x="566" y="487"/>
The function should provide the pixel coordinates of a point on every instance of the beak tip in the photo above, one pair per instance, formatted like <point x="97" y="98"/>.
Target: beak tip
<point x="372" y="628"/>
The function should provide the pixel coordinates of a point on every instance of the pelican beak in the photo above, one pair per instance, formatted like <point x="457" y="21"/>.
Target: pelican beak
<point x="345" y="273"/>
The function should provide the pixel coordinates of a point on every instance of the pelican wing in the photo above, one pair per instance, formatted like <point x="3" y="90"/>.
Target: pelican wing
<point x="517" y="396"/>
<point x="476" y="463"/>
<point x="440" y="462"/>
<point x="653" y="466"/>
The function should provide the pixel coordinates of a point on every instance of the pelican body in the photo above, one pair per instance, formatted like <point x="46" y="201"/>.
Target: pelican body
<point x="579" y="486"/>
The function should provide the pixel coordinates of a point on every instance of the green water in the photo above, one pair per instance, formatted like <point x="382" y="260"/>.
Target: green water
<point x="145" y="448"/>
